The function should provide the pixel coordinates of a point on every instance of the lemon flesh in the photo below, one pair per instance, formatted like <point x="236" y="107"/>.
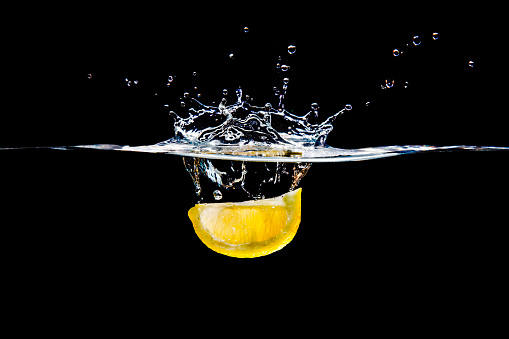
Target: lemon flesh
<point x="248" y="229"/>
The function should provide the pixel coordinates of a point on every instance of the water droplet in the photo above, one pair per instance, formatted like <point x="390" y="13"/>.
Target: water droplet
<point x="348" y="107"/>
<point x="89" y="76"/>
<point x="170" y="80"/>
<point x="285" y="68"/>
<point x="231" y="56"/>
<point x="315" y="106"/>
<point x="186" y="95"/>
<point x="135" y="82"/>
<point x="246" y="29"/>
<point x="368" y="103"/>
<point x="416" y="40"/>
<point x="406" y="84"/>
<point x="291" y="49"/>
<point x="194" y="74"/>
<point x="217" y="195"/>
<point x="286" y="81"/>
<point x="182" y="104"/>
<point x="238" y="91"/>
<point x="225" y="91"/>
<point x="435" y="36"/>
<point x="389" y="83"/>
<point x="395" y="52"/>
<point x="198" y="95"/>
<point x="471" y="63"/>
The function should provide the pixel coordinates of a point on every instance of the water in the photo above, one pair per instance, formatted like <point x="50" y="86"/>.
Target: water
<point x="243" y="133"/>
<point x="217" y="179"/>
<point x="275" y="153"/>
<point x="242" y="123"/>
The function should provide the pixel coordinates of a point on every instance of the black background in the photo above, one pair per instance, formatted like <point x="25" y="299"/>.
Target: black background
<point x="105" y="222"/>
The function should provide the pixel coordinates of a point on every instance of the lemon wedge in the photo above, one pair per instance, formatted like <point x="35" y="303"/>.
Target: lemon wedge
<point x="248" y="229"/>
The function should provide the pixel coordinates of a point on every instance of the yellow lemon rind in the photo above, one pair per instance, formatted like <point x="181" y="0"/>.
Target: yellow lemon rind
<point x="255" y="249"/>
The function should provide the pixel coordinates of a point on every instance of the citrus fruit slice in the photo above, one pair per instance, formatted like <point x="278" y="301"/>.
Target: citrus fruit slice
<point x="248" y="229"/>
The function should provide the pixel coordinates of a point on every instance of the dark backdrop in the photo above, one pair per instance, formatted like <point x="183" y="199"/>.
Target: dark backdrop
<point x="103" y="221"/>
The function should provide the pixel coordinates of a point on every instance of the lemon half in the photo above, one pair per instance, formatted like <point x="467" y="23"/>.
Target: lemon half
<point x="248" y="229"/>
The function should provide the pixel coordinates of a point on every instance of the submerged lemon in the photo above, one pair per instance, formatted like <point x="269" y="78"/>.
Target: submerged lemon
<point x="248" y="229"/>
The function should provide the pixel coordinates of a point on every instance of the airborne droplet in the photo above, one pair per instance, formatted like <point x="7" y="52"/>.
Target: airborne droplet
<point x="435" y="36"/>
<point x="395" y="52"/>
<point x="291" y="49"/>
<point x="416" y="40"/>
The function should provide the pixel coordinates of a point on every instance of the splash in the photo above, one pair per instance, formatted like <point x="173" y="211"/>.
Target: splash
<point x="245" y="132"/>
<point x="242" y="123"/>
<point x="242" y="180"/>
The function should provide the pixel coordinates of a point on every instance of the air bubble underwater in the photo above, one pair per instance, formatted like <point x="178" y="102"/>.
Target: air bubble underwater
<point x="217" y="195"/>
